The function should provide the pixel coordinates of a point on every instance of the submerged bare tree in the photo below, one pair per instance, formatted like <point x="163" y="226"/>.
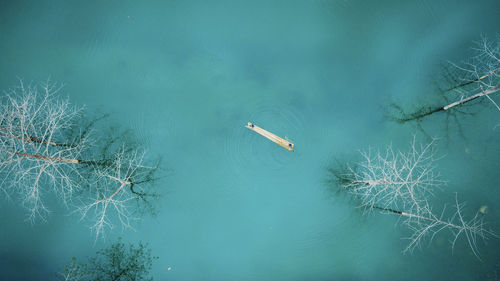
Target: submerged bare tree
<point x="472" y="82"/>
<point x="35" y="156"/>
<point x="402" y="183"/>
<point x="117" y="262"/>
<point x="49" y="146"/>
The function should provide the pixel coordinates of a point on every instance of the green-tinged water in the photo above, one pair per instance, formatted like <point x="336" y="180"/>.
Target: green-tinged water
<point x="187" y="76"/>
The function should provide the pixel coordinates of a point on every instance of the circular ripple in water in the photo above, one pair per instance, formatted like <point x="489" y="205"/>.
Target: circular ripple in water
<point x="248" y="151"/>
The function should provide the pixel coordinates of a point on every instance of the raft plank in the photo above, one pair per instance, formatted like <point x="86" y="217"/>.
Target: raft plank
<point x="284" y="143"/>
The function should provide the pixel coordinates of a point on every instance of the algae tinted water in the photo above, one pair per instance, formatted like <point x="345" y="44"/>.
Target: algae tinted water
<point x="187" y="76"/>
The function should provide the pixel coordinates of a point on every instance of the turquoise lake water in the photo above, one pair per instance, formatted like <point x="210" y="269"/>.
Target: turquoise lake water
<point x="187" y="76"/>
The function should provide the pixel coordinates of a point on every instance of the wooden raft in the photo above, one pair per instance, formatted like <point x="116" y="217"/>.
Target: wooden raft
<point x="284" y="143"/>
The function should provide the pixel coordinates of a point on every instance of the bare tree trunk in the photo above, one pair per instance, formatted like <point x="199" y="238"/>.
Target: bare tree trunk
<point x="67" y="160"/>
<point x="473" y="97"/>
